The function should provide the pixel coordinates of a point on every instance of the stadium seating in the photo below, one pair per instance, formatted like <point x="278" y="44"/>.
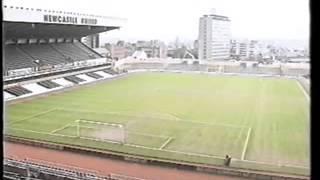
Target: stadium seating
<point x="87" y="50"/>
<point x="72" y="51"/>
<point x="25" y="55"/>
<point x="49" y="84"/>
<point x="45" y="53"/>
<point x="74" y="79"/>
<point x="18" y="169"/>
<point x="15" y="58"/>
<point x="94" y="75"/>
<point x="18" y="90"/>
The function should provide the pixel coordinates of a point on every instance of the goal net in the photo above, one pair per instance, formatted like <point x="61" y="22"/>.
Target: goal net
<point x="101" y="131"/>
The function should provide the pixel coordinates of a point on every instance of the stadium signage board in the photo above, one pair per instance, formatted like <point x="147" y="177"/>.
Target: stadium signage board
<point x="68" y="19"/>
<point x="21" y="14"/>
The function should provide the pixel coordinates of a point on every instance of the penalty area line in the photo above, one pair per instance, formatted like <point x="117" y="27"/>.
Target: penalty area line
<point x="302" y="89"/>
<point x="245" y="147"/>
<point x="173" y="117"/>
<point x="166" y="143"/>
<point x="41" y="132"/>
<point x="177" y="152"/>
<point x="35" y="115"/>
<point x="59" y="129"/>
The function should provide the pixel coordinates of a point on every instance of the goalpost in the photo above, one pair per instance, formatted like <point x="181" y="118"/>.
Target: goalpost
<point x="101" y="131"/>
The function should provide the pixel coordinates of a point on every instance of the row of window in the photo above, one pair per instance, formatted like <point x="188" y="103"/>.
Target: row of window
<point x="52" y="11"/>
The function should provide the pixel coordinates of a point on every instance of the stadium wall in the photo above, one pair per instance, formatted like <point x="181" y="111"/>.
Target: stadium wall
<point x="17" y="100"/>
<point x="250" y="174"/>
<point x="220" y="67"/>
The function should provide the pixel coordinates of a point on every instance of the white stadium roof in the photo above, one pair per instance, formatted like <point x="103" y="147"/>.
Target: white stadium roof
<point x="32" y="15"/>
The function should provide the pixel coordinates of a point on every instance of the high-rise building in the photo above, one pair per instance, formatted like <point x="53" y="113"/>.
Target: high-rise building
<point x="214" y="37"/>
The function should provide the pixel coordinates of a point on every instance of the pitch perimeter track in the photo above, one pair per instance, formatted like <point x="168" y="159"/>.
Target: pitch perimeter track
<point x="105" y="166"/>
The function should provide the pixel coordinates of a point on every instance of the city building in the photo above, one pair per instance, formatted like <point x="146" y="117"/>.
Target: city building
<point x="214" y="37"/>
<point x="139" y="55"/>
<point x="153" y="48"/>
<point x="243" y="49"/>
<point x="117" y="52"/>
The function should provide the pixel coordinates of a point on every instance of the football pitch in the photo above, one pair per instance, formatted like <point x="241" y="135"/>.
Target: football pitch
<point x="263" y="123"/>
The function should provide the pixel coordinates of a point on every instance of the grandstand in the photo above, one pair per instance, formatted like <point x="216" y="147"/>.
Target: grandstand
<point x="40" y="40"/>
<point x="37" y="45"/>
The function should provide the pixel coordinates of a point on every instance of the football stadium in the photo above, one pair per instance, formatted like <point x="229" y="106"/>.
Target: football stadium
<point x="61" y="94"/>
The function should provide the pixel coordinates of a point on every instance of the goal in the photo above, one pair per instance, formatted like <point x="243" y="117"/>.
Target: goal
<point x="101" y="131"/>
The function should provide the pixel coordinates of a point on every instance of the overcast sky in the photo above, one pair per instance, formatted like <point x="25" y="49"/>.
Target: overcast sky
<point x="168" y="19"/>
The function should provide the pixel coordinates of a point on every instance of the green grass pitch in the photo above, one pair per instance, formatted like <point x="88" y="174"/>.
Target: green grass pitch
<point x="189" y="117"/>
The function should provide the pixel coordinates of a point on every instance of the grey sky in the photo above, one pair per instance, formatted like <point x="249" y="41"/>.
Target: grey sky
<point x="167" y="19"/>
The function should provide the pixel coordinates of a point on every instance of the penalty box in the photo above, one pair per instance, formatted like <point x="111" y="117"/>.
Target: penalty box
<point x="201" y="138"/>
<point x="109" y="132"/>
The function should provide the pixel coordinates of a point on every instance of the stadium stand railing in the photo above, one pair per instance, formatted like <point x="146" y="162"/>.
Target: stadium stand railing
<point x="17" y="90"/>
<point x="38" y="169"/>
<point x="49" y="84"/>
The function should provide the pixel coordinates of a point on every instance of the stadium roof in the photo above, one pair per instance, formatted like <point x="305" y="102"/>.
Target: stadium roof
<point x="22" y="22"/>
<point x="33" y="30"/>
